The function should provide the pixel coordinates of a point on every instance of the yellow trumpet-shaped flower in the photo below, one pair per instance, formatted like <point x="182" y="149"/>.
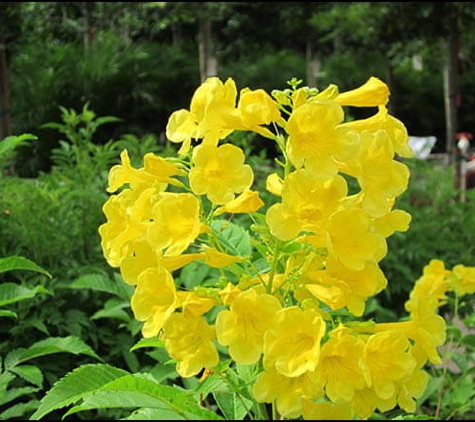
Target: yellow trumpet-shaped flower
<point x="338" y="370"/>
<point x="258" y="108"/>
<point x="193" y="305"/>
<point x="316" y="138"/>
<point x="292" y="344"/>
<point x="326" y="411"/>
<point x="139" y="256"/>
<point x="154" y="299"/>
<point x="372" y="93"/>
<point x="247" y="202"/>
<point x="175" y="223"/>
<point x="351" y="240"/>
<point x="190" y="342"/>
<point x="462" y="280"/>
<point x="243" y="326"/>
<point x="289" y="393"/>
<point x="219" y="172"/>
<point x="433" y="282"/>
<point x="212" y="115"/>
<point x="380" y="176"/>
<point x="307" y="202"/>
<point x="121" y="226"/>
<point x="394" y="127"/>
<point x="387" y="360"/>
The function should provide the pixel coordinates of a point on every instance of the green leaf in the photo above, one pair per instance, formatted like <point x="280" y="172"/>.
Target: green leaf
<point x="135" y="391"/>
<point x="29" y="373"/>
<point x="103" y="283"/>
<point x="15" y="393"/>
<point x="147" y="342"/>
<point x="11" y="293"/>
<point x="232" y="406"/>
<point x="234" y="238"/>
<point x="8" y="314"/>
<point x="75" y="386"/>
<point x="20" y="263"/>
<point x="469" y="340"/>
<point x="11" y="142"/>
<point x="18" y="410"/>
<point x="116" y="312"/>
<point x="49" y="346"/>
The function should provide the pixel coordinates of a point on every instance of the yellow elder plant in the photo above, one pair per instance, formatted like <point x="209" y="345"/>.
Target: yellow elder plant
<point x="290" y="305"/>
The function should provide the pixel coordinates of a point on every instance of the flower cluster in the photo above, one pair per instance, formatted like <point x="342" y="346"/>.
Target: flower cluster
<point x="287" y="302"/>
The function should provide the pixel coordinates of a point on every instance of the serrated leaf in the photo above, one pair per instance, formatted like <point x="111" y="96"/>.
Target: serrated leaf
<point x="76" y="385"/>
<point x="11" y="142"/>
<point x="15" y="262"/>
<point x="11" y="293"/>
<point x="211" y="384"/>
<point x="15" y="393"/>
<point x="103" y="283"/>
<point x="49" y="346"/>
<point x="233" y="408"/>
<point x="136" y="391"/>
<point x="147" y="342"/>
<point x="18" y="410"/>
<point x="234" y="238"/>
<point x="29" y="373"/>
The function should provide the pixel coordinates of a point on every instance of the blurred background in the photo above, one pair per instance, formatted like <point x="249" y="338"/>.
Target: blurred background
<point x="140" y="61"/>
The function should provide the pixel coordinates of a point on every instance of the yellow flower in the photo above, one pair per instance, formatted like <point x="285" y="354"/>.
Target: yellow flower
<point x="258" y="108"/>
<point x="326" y="411"/>
<point x="292" y="344"/>
<point x="372" y="93"/>
<point x="274" y="184"/>
<point x="387" y="360"/>
<point x="138" y="257"/>
<point x="217" y="259"/>
<point x="123" y="173"/>
<point x="462" y="281"/>
<point x="193" y="305"/>
<point x="433" y="282"/>
<point x="243" y="326"/>
<point x="351" y="240"/>
<point x="380" y="177"/>
<point x="383" y="120"/>
<point x="426" y="328"/>
<point x="154" y="299"/>
<point x="219" y="172"/>
<point x="306" y="204"/>
<point x="339" y="369"/>
<point x="361" y="284"/>
<point x="395" y="220"/>
<point x="316" y="138"/>
<point x="157" y="172"/>
<point x="176" y="223"/>
<point x="212" y="115"/>
<point x="181" y="128"/>
<point x="247" y="202"/>
<point x="190" y="342"/>
<point x="120" y="228"/>
<point x="287" y="392"/>
<point x="229" y="293"/>
<point x="412" y="388"/>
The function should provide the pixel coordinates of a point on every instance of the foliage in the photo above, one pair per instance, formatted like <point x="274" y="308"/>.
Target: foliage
<point x="21" y="373"/>
<point x="440" y="227"/>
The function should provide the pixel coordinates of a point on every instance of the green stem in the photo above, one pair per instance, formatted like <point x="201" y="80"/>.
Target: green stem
<point x="275" y="261"/>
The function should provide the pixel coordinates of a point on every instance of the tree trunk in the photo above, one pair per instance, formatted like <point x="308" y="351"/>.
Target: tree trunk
<point x="313" y="65"/>
<point x="207" y="61"/>
<point x="450" y="72"/>
<point x="5" y="122"/>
